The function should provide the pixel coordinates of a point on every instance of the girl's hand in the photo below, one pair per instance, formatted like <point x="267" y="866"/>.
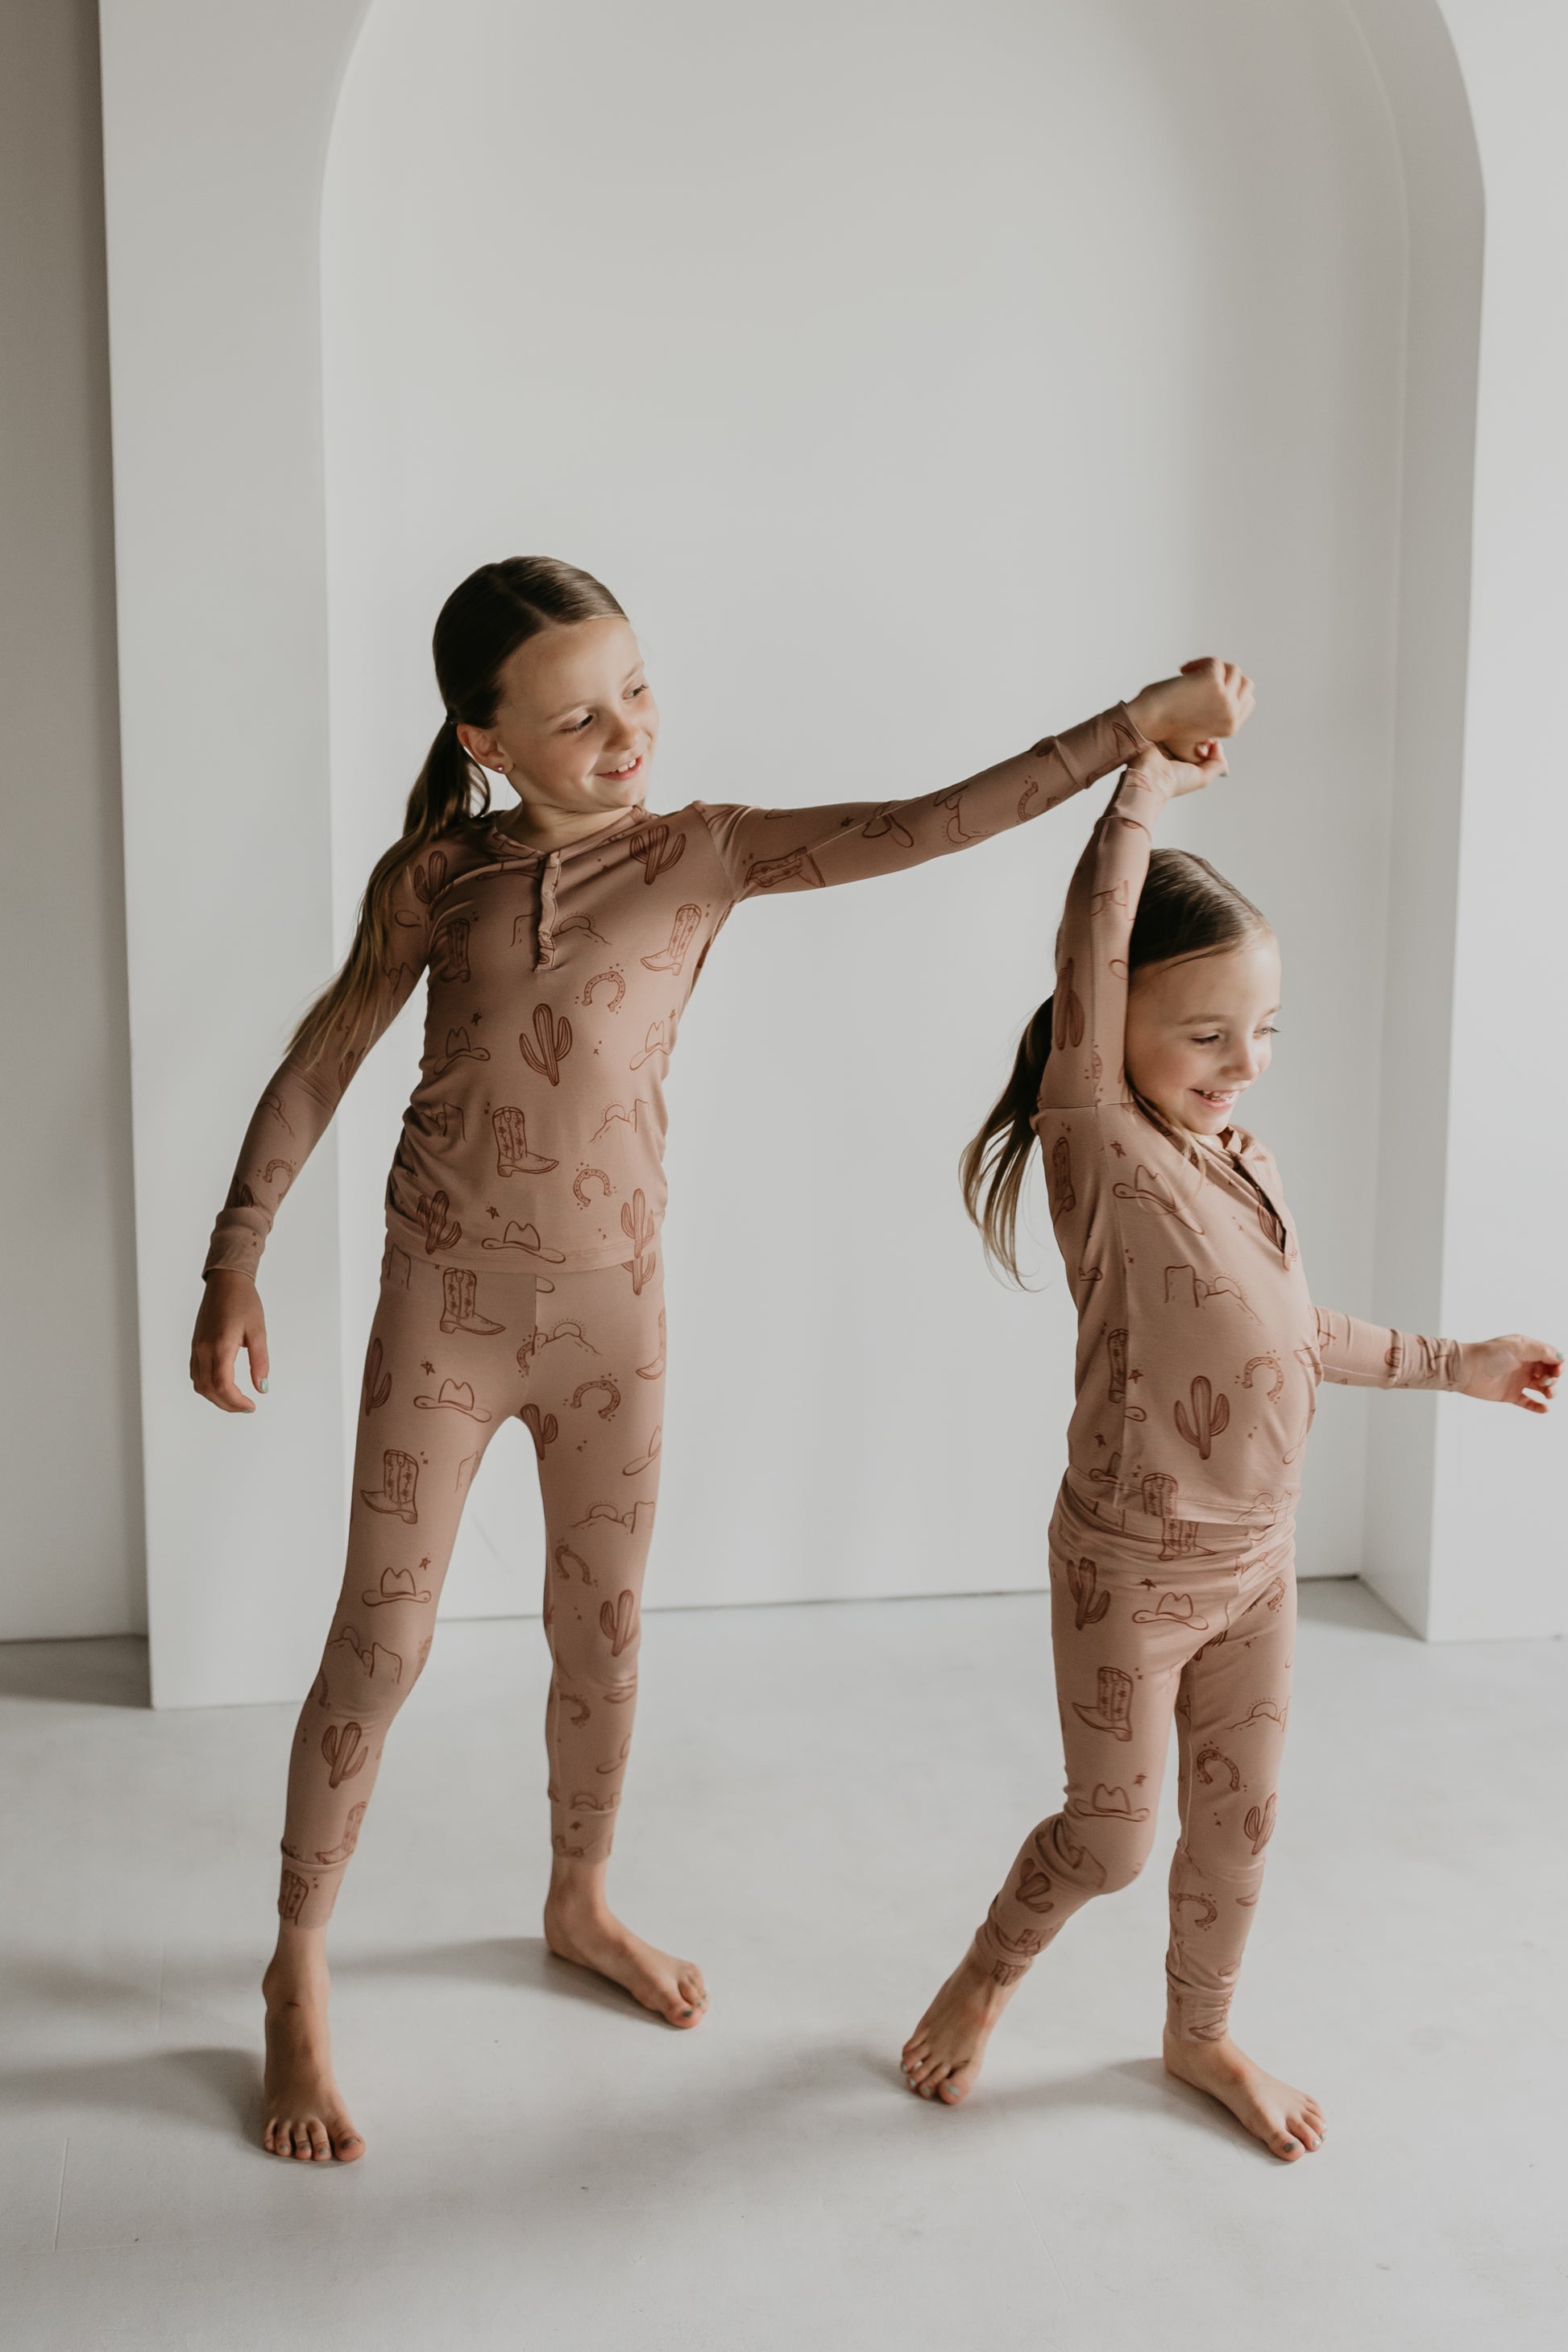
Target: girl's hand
<point x="1187" y="715"/>
<point x="1506" y="1370"/>
<point x="229" y="1318"/>
<point x="1179" y="776"/>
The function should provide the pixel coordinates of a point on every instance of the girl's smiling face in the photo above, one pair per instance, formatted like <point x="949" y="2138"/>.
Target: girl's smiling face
<point x="576" y="724"/>
<point x="1200" y="1031"/>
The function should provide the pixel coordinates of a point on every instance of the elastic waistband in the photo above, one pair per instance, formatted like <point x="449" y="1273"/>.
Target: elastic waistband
<point x="1216" y="1543"/>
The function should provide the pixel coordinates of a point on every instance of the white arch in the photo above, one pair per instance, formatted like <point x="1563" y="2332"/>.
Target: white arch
<point x="213" y="211"/>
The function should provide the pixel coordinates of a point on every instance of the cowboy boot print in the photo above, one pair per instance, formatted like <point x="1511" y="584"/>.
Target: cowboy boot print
<point x="637" y="1224"/>
<point x="583" y="1178"/>
<point x="1158" y="1494"/>
<point x="1034" y="1889"/>
<point x="291" y="1896"/>
<point x="343" y="1747"/>
<point x="1260" y="1825"/>
<point x="617" y="982"/>
<point x="768" y="873"/>
<point x="1063" y="1197"/>
<point x="602" y="1386"/>
<point x="449" y="948"/>
<point x="1112" y="1709"/>
<point x="550" y="1042"/>
<point x="543" y="1428"/>
<point x="1211" y="1417"/>
<point x="350" y="1839"/>
<point x="1067" y="1019"/>
<point x="458" y="1312"/>
<point x="1082" y="1576"/>
<point x="683" y="930"/>
<point x="376" y="1386"/>
<point x="399" y="1486"/>
<point x="513" y="1153"/>
<point x="650" y="846"/>
<point x="954" y="803"/>
<point x="1178" y="1538"/>
<point x="1212" y="1755"/>
<point x="431" y="1213"/>
<point x="1116" y="1351"/>
<point x="619" y="1624"/>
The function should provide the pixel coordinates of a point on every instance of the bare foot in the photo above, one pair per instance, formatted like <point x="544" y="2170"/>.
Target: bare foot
<point x="579" y="1926"/>
<point x="1287" y="2121"/>
<point x="303" y="2112"/>
<point x="941" y="2057"/>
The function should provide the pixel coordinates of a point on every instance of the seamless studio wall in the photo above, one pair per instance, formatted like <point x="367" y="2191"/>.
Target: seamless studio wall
<point x="918" y="387"/>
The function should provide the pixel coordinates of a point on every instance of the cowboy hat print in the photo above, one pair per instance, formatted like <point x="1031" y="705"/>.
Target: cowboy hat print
<point x="456" y="1395"/>
<point x="525" y="1238"/>
<point x="459" y="1050"/>
<point x="1172" y="1609"/>
<point x="1111" y="1804"/>
<point x="1150" y="1189"/>
<point x="396" y="1584"/>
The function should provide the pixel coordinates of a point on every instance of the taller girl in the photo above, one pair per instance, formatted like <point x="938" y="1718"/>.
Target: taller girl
<point x="522" y="1277"/>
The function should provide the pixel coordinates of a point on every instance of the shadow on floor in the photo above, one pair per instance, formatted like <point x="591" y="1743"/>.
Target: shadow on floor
<point x="518" y="1961"/>
<point x="210" y="2087"/>
<point x="112" y="1671"/>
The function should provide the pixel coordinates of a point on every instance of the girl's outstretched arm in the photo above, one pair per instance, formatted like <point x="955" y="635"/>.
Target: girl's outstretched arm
<point x="768" y="850"/>
<point x="293" y="1114"/>
<point x="1505" y="1370"/>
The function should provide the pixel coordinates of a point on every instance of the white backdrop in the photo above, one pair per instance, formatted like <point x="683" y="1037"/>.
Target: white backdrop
<point x="916" y="392"/>
<point x="1147" y="371"/>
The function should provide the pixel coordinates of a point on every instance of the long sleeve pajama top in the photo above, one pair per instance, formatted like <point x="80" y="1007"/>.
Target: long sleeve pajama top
<point x="1200" y="1351"/>
<point x="534" y="1140"/>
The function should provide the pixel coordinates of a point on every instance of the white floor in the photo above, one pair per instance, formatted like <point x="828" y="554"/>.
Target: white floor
<point x="823" y="1801"/>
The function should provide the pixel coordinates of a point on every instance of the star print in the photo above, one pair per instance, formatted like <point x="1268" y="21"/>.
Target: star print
<point x="1147" y="1581"/>
<point x="1139" y="1780"/>
<point x="492" y="1213"/>
<point x="1119" y="1149"/>
<point x="427" y="1368"/>
<point x="1100" y="1440"/>
<point x="1134" y="1376"/>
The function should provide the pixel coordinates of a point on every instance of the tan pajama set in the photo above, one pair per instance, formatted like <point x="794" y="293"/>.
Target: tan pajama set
<point x="523" y="1274"/>
<point x="1172" y="1544"/>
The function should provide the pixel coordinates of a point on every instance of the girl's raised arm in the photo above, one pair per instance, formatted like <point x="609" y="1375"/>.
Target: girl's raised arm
<point x="1090" y="1023"/>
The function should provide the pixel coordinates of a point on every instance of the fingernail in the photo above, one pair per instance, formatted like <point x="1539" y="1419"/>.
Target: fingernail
<point x="261" y="1384"/>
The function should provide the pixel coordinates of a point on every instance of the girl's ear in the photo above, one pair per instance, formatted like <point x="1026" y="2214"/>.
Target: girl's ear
<point x="481" y="744"/>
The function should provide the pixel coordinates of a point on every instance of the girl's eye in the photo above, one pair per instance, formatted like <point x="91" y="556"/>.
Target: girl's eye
<point x="1213" y="1040"/>
<point x="577" y="725"/>
<point x="639" y="690"/>
<point x="1269" y="1030"/>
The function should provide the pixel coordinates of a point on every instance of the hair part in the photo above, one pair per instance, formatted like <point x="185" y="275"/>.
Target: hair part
<point x="1185" y="910"/>
<point x="478" y="628"/>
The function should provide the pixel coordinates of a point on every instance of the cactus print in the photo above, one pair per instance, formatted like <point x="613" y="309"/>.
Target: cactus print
<point x="579" y="1373"/>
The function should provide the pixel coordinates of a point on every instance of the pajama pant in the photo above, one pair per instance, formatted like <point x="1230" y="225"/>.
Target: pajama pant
<point x="453" y="1353"/>
<point x="1152" y="1618"/>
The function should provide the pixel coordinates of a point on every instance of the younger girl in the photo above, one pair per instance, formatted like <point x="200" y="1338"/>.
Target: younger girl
<point x="1199" y="1357"/>
<point x="522" y="1277"/>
